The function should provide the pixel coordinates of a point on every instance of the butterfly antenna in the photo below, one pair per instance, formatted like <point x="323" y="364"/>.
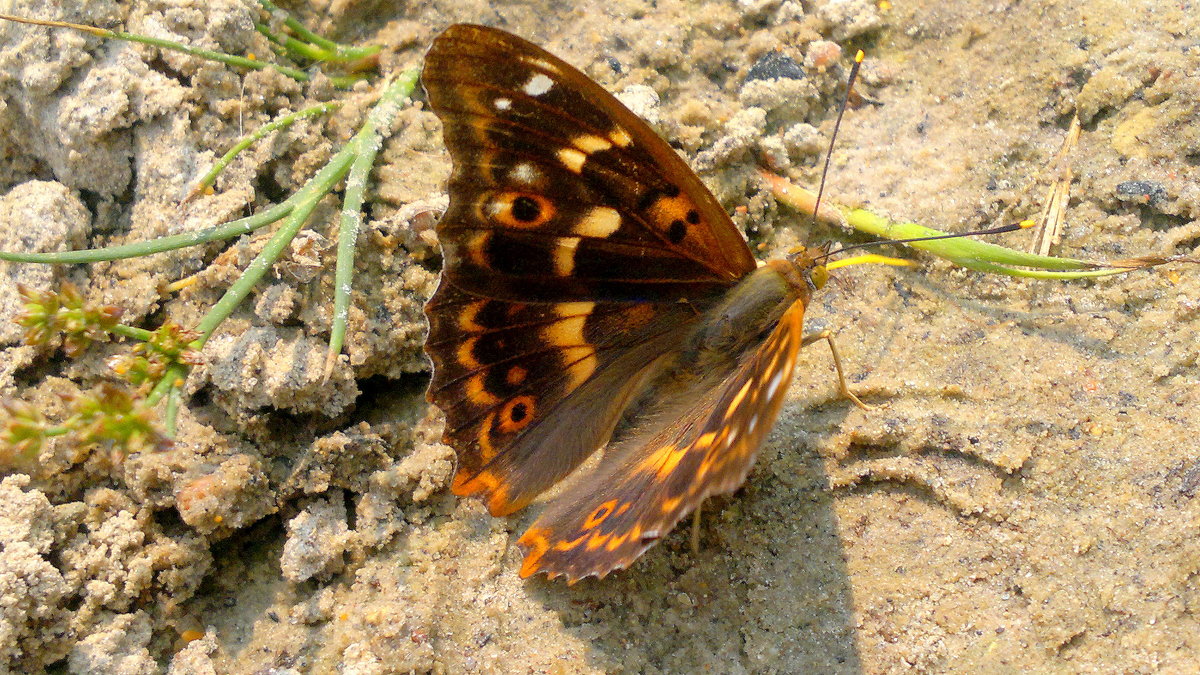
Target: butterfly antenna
<point x="837" y="125"/>
<point x="858" y="59"/>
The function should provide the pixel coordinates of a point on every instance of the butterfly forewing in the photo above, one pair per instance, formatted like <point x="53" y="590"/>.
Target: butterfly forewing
<point x="559" y="193"/>
<point x="646" y="485"/>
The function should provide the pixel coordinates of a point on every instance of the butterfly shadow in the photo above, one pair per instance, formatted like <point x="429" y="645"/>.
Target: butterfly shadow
<point x="768" y="590"/>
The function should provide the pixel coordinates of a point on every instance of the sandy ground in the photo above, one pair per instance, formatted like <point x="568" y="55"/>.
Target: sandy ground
<point x="1024" y="499"/>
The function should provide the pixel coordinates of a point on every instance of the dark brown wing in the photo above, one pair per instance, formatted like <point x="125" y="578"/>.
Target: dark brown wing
<point x="531" y="389"/>
<point x="649" y="482"/>
<point x="572" y="236"/>
<point x="560" y="193"/>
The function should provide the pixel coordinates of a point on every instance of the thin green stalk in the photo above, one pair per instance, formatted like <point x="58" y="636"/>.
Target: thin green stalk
<point x="217" y="232"/>
<point x="328" y="49"/>
<point x="250" y="139"/>
<point x="296" y="26"/>
<point x="370" y="139"/>
<point x="140" y="334"/>
<point x="221" y="57"/>
<point x="223" y="231"/>
<point x="311" y="196"/>
<point x="174" y="376"/>
<point x="291" y="47"/>
<point x="347" y="81"/>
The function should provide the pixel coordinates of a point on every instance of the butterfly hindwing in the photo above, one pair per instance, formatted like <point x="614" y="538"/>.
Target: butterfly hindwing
<point x="559" y="193"/>
<point x="531" y="389"/>
<point x="648" y="483"/>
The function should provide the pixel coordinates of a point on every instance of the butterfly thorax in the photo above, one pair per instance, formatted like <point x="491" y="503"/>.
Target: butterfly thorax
<point x="735" y="326"/>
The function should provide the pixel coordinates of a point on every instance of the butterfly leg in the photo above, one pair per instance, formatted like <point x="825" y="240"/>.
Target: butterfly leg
<point x="837" y="364"/>
<point x="696" y="529"/>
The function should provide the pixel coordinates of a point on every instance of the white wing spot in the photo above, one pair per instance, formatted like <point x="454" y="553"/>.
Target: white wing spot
<point x="753" y="423"/>
<point x="572" y="159"/>
<point x="538" y="84"/>
<point x="599" y="222"/>
<point x="502" y="103"/>
<point x="525" y="173"/>
<point x="773" y="385"/>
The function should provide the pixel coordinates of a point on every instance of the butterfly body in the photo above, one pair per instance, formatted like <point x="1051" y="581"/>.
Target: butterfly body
<point x="736" y="325"/>
<point x="593" y="295"/>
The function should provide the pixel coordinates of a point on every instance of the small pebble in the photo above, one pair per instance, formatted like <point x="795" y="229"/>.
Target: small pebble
<point x="775" y="65"/>
<point x="821" y="54"/>
<point x="1141" y="191"/>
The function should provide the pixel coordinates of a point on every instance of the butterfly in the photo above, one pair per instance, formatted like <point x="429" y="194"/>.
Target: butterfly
<point x="594" y="294"/>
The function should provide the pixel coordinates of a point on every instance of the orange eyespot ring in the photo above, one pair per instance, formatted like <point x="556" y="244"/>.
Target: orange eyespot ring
<point x="520" y="210"/>
<point x="600" y="514"/>
<point x="517" y="414"/>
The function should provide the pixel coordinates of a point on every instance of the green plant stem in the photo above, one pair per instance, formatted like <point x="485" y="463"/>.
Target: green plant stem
<point x="220" y="57"/>
<point x="272" y="251"/>
<point x="296" y="26"/>
<point x="290" y="47"/>
<point x="140" y="334"/>
<point x="217" y="232"/>
<point x="356" y="157"/>
<point x="174" y="374"/>
<point x="327" y="50"/>
<point x="254" y="137"/>
<point x="370" y="139"/>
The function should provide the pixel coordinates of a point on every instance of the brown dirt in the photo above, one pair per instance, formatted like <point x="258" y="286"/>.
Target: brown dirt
<point x="1024" y="498"/>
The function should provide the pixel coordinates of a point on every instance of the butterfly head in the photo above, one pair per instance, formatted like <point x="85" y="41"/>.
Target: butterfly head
<point x="809" y="262"/>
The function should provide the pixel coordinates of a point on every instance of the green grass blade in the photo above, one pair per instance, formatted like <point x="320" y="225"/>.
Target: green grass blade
<point x="221" y="57"/>
<point x="217" y="232"/>
<point x="370" y="139"/>
<point x="309" y="196"/>
<point x="325" y="49"/>
<point x="250" y="139"/>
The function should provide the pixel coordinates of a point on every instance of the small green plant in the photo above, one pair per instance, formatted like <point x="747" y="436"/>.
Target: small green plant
<point x="48" y="314"/>
<point x="127" y="417"/>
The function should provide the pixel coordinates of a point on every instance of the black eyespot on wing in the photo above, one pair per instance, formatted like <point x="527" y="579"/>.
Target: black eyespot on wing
<point x="677" y="231"/>
<point x="518" y="412"/>
<point x="526" y="209"/>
